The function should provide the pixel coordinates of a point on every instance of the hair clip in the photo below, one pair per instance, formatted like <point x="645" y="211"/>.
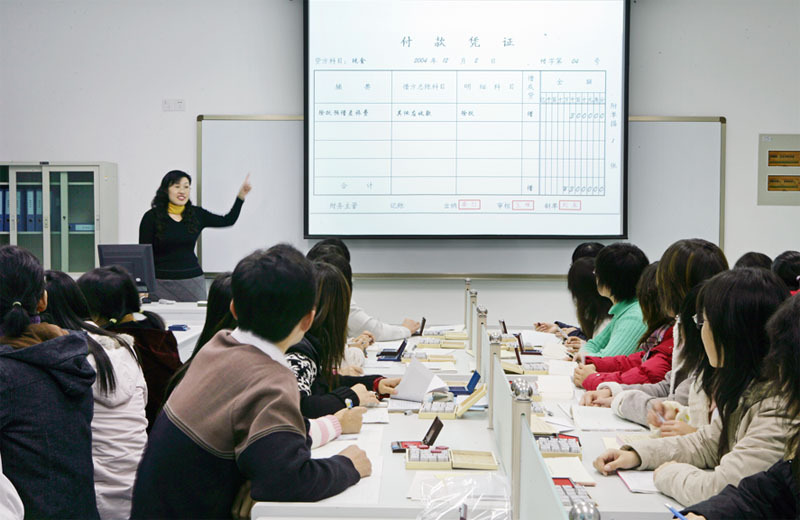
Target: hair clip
<point x="113" y="321"/>
<point x="16" y="304"/>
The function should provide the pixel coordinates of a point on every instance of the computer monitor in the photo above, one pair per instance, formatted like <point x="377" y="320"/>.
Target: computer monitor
<point x="137" y="259"/>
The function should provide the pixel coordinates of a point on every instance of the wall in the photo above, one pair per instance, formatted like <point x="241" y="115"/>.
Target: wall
<point x="85" y="79"/>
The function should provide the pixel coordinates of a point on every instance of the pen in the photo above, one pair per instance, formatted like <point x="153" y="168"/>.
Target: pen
<point x="660" y="417"/>
<point x="348" y="403"/>
<point x="675" y="512"/>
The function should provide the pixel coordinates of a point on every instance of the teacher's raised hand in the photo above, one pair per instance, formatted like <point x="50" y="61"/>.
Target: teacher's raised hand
<point x="246" y="187"/>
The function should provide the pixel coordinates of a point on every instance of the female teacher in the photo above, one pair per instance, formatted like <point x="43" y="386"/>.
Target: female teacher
<point x="172" y="225"/>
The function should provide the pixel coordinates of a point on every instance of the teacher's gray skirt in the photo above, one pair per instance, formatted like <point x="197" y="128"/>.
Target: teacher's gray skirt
<point x="188" y="290"/>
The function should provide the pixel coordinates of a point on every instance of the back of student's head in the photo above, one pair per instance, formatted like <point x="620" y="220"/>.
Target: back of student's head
<point x="618" y="267"/>
<point x="647" y="293"/>
<point x="319" y="250"/>
<point x="787" y="267"/>
<point x="591" y="308"/>
<point x="330" y="321"/>
<point x="335" y="242"/>
<point x="111" y="295"/>
<point x="272" y="290"/>
<point x="21" y="288"/>
<point x="736" y="306"/>
<point x="781" y="367"/>
<point x="67" y="308"/>
<point x="753" y="259"/>
<point x="586" y="249"/>
<point x="340" y="263"/>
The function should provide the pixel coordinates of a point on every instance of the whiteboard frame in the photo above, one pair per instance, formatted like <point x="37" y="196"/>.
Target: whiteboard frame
<point x="475" y="276"/>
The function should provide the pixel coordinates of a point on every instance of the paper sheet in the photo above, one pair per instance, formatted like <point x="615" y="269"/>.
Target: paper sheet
<point x="367" y="491"/>
<point x="424" y="480"/>
<point x="560" y="424"/>
<point x="639" y="481"/>
<point x="594" y="418"/>
<point x="376" y="416"/>
<point x="418" y="381"/>
<point x="558" y="367"/>
<point x="443" y="328"/>
<point x="398" y="405"/>
<point x="569" y="467"/>
<point x="555" y="387"/>
<point x="611" y="443"/>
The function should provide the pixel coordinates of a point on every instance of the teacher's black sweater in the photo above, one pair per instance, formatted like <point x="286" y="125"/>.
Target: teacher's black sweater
<point x="173" y="251"/>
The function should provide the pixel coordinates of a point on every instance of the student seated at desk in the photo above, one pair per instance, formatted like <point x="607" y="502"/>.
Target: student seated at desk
<point x="236" y="417"/>
<point x="316" y="358"/>
<point x="617" y="270"/>
<point x="654" y="357"/>
<point x="787" y="266"/>
<point x="359" y="320"/>
<point x="774" y="493"/>
<point x="113" y="299"/>
<point x="751" y="430"/>
<point x="119" y="424"/>
<point x="45" y="398"/>
<point x="590" y="307"/>
<point x="753" y="259"/>
<point x="682" y="268"/>
<point x="219" y="317"/>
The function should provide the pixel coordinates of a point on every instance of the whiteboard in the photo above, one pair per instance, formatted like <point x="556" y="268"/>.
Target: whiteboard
<point x="675" y="187"/>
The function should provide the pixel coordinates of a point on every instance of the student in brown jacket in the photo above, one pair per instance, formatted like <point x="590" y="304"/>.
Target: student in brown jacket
<point x="750" y="432"/>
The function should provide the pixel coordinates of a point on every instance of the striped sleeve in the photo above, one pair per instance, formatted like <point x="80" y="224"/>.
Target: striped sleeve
<point x="324" y="430"/>
<point x="624" y="339"/>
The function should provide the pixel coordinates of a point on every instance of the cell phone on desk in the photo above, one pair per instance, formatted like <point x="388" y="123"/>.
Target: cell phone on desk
<point x="428" y="440"/>
<point x="421" y="328"/>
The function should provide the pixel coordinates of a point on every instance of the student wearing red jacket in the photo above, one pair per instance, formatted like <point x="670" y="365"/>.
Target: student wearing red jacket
<point x="651" y="361"/>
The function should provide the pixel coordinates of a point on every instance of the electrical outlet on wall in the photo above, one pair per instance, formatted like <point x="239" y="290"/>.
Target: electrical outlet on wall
<point x="173" y="105"/>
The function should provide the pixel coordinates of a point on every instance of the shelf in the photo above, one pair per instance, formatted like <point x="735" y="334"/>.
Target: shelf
<point x="79" y="183"/>
<point x="81" y="232"/>
<point x="29" y="184"/>
<point x="30" y="232"/>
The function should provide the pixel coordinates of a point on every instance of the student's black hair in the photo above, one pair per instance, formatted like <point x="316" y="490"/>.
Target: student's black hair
<point x="272" y="291"/>
<point x="218" y="317"/>
<point x="340" y="263"/>
<point x="161" y="201"/>
<point x="647" y="293"/>
<point x="683" y="266"/>
<point x="618" y="267"/>
<point x="67" y="308"/>
<point x="787" y="266"/>
<point x="587" y="249"/>
<point x="781" y="369"/>
<point x="736" y="305"/>
<point x="337" y="242"/>
<point x="590" y="307"/>
<point x="330" y="322"/>
<point x="753" y="259"/>
<point x="21" y="288"/>
<point x="111" y="295"/>
<point x="319" y="250"/>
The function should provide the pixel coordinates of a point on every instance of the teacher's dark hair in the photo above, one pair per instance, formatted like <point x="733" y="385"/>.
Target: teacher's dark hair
<point x="21" y="288"/>
<point x="272" y="291"/>
<point x="111" y="295"/>
<point x="161" y="201"/>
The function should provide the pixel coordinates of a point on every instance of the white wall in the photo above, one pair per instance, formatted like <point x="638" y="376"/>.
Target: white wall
<point x="84" y="80"/>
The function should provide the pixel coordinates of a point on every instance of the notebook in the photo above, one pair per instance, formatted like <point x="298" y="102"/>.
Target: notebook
<point x="590" y="418"/>
<point x="569" y="467"/>
<point x="639" y="481"/>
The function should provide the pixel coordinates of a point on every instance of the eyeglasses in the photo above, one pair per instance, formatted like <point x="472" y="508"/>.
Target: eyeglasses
<point x="698" y="320"/>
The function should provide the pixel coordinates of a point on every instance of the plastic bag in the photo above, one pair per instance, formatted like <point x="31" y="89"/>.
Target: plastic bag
<point x="483" y="497"/>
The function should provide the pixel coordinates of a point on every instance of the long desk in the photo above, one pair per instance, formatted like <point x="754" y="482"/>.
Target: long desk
<point x="183" y="313"/>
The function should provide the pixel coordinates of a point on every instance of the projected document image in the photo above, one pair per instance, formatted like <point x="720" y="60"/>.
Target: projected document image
<point x="465" y="118"/>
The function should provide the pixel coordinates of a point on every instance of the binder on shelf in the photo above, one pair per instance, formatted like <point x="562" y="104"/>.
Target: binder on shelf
<point x="55" y="208"/>
<point x="30" y="215"/>
<point x="4" y="219"/>
<point x="80" y="227"/>
<point x="39" y="203"/>
<point x="20" y="210"/>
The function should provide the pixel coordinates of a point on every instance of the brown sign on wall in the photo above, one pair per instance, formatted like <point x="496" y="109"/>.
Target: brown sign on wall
<point x="783" y="183"/>
<point x="783" y="158"/>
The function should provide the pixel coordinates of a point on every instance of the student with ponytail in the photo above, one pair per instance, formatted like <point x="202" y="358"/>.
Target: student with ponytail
<point x="113" y="299"/>
<point x="119" y="424"/>
<point x="46" y="394"/>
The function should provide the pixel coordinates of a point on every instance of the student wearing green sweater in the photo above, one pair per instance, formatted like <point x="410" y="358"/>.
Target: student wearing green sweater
<point x="617" y="271"/>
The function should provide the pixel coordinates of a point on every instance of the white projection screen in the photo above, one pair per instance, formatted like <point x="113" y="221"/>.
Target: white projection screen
<point x="466" y="118"/>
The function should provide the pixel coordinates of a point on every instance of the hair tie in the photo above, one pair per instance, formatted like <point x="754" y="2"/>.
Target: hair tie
<point x="16" y="304"/>
<point x="112" y="321"/>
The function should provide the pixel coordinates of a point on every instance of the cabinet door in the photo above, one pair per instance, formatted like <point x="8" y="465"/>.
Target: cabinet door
<point x="72" y="218"/>
<point x="26" y="208"/>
